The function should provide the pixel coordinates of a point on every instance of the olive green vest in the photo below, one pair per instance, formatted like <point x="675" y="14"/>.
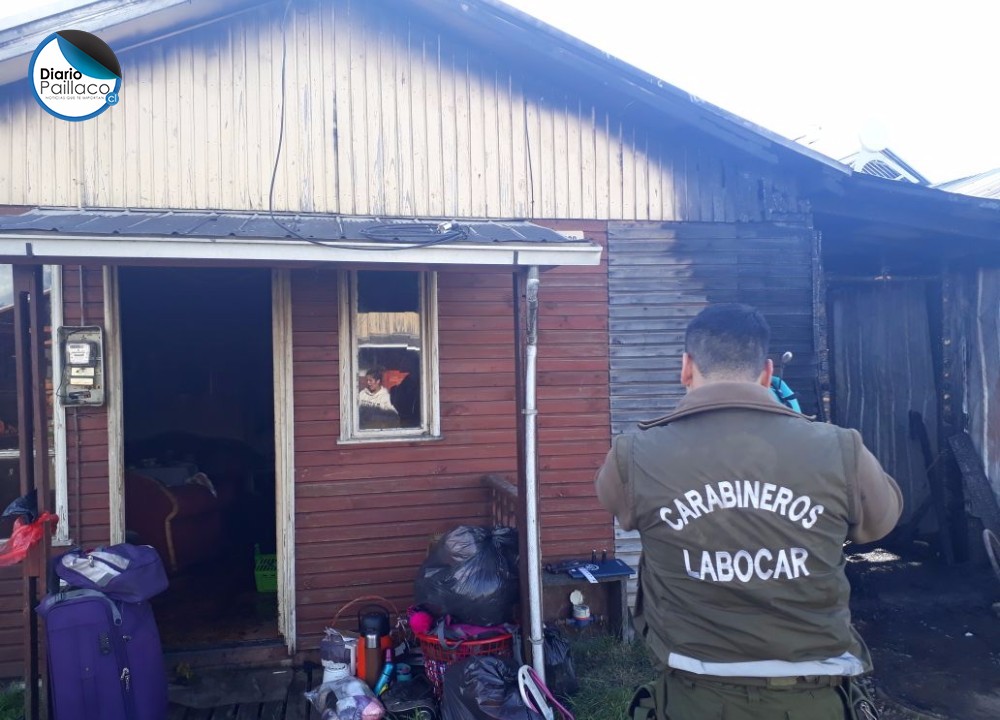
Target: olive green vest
<point x="742" y="540"/>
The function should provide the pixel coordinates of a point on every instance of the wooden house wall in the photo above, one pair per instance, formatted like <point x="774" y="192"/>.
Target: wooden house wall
<point x="983" y="390"/>
<point x="366" y="513"/>
<point x="87" y="469"/>
<point x="660" y="275"/>
<point x="382" y="115"/>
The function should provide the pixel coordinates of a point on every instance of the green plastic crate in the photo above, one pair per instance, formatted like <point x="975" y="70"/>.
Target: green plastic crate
<point x="265" y="571"/>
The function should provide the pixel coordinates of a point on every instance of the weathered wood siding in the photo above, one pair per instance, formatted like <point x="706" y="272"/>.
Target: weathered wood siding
<point x="87" y="476"/>
<point x="983" y="394"/>
<point x="382" y="115"/>
<point x="366" y="513"/>
<point x="883" y="371"/>
<point x="663" y="274"/>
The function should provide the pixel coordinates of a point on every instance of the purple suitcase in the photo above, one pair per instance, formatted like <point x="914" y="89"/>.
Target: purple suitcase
<point x="122" y="572"/>
<point x="104" y="658"/>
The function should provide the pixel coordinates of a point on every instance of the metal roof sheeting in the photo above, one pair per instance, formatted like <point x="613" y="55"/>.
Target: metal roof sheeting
<point x="264" y="226"/>
<point x="984" y="185"/>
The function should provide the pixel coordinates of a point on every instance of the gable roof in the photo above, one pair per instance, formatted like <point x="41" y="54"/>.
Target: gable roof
<point x="128" y="24"/>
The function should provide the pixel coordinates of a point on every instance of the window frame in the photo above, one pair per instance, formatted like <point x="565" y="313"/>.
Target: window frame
<point x="430" y="405"/>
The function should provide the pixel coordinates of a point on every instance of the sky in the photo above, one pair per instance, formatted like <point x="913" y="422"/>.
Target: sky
<point x="919" y="74"/>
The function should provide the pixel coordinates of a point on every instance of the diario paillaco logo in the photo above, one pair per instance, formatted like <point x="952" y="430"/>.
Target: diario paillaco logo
<point x="75" y="75"/>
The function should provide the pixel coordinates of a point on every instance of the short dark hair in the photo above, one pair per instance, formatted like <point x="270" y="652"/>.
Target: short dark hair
<point x="728" y="339"/>
<point x="375" y="373"/>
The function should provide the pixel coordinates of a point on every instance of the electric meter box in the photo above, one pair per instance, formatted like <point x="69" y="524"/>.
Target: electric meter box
<point x="82" y="355"/>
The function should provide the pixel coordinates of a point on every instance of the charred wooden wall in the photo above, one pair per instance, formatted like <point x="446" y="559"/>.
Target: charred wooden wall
<point x="386" y="114"/>
<point x="365" y="514"/>
<point x="660" y="275"/>
<point x="982" y="391"/>
<point x="663" y="274"/>
<point x="884" y="337"/>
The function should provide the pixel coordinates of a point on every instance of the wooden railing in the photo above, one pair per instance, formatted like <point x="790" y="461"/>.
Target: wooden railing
<point x="503" y="500"/>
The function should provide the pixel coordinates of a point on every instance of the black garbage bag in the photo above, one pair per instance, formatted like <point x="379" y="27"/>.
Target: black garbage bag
<point x="560" y="672"/>
<point x="483" y="688"/>
<point x="471" y="574"/>
<point x="24" y="507"/>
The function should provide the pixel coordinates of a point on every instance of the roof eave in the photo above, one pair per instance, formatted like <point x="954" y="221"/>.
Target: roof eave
<point x="49" y="247"/>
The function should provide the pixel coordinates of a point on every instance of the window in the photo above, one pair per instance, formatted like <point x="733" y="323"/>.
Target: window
<point x="388" y="355"/>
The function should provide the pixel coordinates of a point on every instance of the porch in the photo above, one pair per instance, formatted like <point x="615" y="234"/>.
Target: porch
<point x="253" y="701"/>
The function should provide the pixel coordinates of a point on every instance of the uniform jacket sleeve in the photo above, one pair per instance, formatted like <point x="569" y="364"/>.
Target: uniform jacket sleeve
<point x="614" y="487"/>
<point x="877" y="501"/>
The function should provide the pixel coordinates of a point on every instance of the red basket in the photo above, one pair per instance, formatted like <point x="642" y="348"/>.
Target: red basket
<point x="437" y="658"/>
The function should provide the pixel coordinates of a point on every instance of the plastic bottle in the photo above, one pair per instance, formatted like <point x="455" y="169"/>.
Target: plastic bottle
<point x="383" y="682"/>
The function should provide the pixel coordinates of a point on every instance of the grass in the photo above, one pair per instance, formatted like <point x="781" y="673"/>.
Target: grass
<point x="11" y="703"/>
<point x="608" y="671"/>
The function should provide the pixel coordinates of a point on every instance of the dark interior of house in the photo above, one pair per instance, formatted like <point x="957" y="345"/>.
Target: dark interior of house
<point x="199" y="447"/>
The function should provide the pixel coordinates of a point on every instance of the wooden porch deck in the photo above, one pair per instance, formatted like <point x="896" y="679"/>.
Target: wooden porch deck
<point x="292" y="707"/>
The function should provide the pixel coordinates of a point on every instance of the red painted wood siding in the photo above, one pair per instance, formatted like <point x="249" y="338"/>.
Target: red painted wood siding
<point x="93" y="476"/>
<point x="574" y="425"/>
<point x="365" y="514"/>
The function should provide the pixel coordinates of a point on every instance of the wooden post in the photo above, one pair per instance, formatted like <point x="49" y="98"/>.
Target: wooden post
<point x="33" y="446"/>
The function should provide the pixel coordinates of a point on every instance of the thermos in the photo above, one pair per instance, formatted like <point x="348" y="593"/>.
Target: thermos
<point x="372" y="620"/>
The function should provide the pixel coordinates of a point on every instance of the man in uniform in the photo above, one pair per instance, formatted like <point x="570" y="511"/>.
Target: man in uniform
<point x="743" y="507"/>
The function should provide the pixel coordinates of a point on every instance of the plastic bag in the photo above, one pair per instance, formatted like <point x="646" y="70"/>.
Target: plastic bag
<point x="471" y="574"/>
<point x="346" y="698"/>
<point x="560" y="672"/>
<point x="483" y="688"/>
<point x="411" y="699"/>
<point x="23" y="537"/>
<point x="24" y="507"/>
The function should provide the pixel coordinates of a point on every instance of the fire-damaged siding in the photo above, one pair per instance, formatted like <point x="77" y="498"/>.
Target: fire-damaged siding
<point x="383" y="114"/>
<point x="662" y="274"/>
<point x="365" y="513"/>
<point x="87" y="470"/>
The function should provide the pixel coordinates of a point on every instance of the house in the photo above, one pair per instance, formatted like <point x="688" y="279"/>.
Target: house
<point x="985" y="184"/>
<point x="292" y="195"/>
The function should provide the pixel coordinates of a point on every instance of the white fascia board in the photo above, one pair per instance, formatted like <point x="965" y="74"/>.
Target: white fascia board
<point x="121" y="247"/>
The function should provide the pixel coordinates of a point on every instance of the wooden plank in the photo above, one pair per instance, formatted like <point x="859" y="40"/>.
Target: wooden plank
<point x="272" y="710"/>
<point x="547" y="204"/>
<point x="464" y="157"/>
<point x="628" y="177"/>
<point x="361" y="114"/>
<point x="248" y="711"/>
<point x="389" y="133"/>
<point x="482" y="141"/>
<point x="980" y="500"/>
<point x="642" y="198"/>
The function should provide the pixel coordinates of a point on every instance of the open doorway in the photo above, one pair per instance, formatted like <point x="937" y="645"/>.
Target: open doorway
<point x="198" y="419"/>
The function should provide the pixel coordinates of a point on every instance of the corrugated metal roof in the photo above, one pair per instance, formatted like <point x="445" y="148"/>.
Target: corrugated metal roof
<point x="984" y="185"/>
<point x="315" y="228"/>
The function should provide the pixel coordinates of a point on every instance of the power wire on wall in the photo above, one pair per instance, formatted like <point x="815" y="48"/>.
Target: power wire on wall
<point x="416" y="234"/>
